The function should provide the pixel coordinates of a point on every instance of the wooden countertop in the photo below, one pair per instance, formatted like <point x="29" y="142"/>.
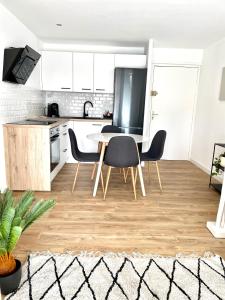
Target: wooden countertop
<point x="58" y="122"/>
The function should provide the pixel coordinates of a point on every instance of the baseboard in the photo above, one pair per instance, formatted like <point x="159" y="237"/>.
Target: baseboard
<point x="200" y="166"/>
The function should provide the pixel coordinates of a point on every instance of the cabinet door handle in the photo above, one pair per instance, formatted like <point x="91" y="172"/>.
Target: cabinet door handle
<point x="65" y="88"/>
<point x="99" y="89"/>
<point x="64" y="150"/>
<point x="84" y="89"/>
<point x="94" y="124"/>
<point x="65" y="133"/>
<point x="65" y="125"/>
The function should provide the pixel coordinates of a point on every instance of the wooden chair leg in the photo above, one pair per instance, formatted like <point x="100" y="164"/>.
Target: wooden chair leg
<point x="136" y="171"/>
<point x="157" y="168"/>
<point x="133" y="182"/>
<point x="102" y="181"/>
<point x="124" y="176"/>
<point x="93" y="171"/>
<point x="149" y="170"/>
<point x="75" y="178"/>
<point x="107" y="181"/>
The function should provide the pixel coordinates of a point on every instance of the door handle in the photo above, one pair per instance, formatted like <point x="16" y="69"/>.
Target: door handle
<point x="154" y="93"/>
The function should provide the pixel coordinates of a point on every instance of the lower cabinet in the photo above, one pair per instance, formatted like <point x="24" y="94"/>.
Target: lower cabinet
<point x="81" y="130"/>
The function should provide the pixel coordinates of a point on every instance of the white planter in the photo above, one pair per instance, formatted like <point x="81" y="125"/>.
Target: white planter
<point x="222" y="161"/>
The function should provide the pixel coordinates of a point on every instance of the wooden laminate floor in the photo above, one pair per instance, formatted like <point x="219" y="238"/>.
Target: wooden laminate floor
<point x="168" y="223"/>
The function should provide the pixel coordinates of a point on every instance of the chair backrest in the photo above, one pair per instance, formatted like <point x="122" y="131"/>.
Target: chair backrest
<point x="73" y="142"/>
<point x="157" y="146"/>
<point x="122" y="152"/>
<point x="111" y="129"/>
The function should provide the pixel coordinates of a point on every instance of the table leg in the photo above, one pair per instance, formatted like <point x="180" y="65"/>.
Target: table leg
<point x="141" y="180"/>
<point x="99" y="169"/>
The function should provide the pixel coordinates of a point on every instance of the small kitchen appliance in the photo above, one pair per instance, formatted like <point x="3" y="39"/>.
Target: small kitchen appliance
<point x="53" y="110"/>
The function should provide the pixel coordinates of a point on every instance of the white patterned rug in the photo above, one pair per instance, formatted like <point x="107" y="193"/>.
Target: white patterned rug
<point x="119" y="276"/>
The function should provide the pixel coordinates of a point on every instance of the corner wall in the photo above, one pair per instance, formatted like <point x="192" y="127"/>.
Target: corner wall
<point x="209" y="125"/>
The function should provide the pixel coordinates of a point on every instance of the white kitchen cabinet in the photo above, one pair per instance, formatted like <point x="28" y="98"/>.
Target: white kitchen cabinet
<point x="56" y="70"/>
<point x="81" y="130"/>
<point x="130" y="61"/>
<point x="83" y="72"/>
<point x="104" y="73"/>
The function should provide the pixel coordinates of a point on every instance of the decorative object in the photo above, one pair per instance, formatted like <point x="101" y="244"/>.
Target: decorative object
<point x="218" y="163"/>
<point x="222" y="160"/>
<point x="16" y="217"/>
<point x="121" y="276"/>
<point x="217" y="168"/>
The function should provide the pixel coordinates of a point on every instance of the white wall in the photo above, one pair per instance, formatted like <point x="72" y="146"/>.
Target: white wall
<point x="210" y="111"/>
<point x="16" y="101"/>
<point x="177" y="56"/>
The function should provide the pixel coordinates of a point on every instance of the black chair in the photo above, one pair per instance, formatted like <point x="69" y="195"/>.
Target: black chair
<point x="81" y="157"/>
<point x="155" y="152"/>
<point x="105" y="129"/>
<point x="128" y="157"/>
<point x="111" y="129"/>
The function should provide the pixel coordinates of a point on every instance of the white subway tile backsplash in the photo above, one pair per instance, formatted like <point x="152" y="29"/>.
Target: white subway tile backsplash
<point x="71" y="104"/>
<point x="19" y="102"/>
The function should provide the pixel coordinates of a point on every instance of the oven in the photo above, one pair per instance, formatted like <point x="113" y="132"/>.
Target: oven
<point x="54" y="148"/>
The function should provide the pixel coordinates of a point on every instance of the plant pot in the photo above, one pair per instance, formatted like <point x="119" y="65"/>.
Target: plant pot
<point x="222" y="161"/>
<point x="10" y="283"/>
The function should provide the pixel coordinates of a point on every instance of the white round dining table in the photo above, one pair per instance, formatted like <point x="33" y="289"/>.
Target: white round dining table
<point x="104" y="138"/>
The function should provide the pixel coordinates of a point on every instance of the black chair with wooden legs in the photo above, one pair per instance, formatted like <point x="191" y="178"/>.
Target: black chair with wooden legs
<point x="155" y="152"/>
<point x="128" y="157"/>
<point x="82" y="157"/>
<point x="106" y="129"/>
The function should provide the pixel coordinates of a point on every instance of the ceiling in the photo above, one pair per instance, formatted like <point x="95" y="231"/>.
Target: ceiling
<point x="171" y="23"/>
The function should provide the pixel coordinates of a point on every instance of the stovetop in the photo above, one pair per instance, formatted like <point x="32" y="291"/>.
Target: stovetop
<point x="34" y="122"/>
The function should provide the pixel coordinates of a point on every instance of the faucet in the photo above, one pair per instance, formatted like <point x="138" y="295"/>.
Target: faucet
<point x="84" y="112"/>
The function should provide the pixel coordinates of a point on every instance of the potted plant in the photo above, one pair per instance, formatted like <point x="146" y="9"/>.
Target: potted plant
<point x="15" y="218"/>
<point x="218" y="163"/>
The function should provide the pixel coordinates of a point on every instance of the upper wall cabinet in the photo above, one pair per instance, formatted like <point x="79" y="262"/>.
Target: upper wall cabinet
<point x="83" y="72"/>
<point x="104" y="73"/>
<point x="130" y="61"/>
<point x="56" y="71"/>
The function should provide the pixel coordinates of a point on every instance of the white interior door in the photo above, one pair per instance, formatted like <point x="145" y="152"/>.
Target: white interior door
<point x="173" y="108"/>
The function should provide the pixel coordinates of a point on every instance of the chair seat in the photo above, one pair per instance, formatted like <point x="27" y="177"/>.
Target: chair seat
<point x="89" y="157"/>
<point x="145" y="157"/>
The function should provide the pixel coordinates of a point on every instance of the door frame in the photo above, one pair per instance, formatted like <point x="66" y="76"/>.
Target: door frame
<point x="198" y="68"/>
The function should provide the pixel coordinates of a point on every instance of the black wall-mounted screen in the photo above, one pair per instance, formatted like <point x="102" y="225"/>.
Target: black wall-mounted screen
<point x="19" y="64"/>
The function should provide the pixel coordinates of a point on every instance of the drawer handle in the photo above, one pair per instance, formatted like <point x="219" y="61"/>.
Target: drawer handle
<point x="96" y="124"/>
<point x="65" y="125"/>
<point x="65" y="133"/>
<point x="64" y="150"/>
<point x="84" y="89"/>
<point x="99" y="89"/>
<point x="65" y="88"/>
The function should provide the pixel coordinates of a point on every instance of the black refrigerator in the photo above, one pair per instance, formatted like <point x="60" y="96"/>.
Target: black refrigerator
<point x="129" y="99"/>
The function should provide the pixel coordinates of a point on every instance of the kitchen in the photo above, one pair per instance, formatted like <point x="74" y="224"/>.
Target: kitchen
<point x="83" y="72"/>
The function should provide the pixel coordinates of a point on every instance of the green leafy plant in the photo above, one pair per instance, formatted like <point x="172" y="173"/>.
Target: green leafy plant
<point x="217" y="165"/>
<point x="15" y="218"/>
